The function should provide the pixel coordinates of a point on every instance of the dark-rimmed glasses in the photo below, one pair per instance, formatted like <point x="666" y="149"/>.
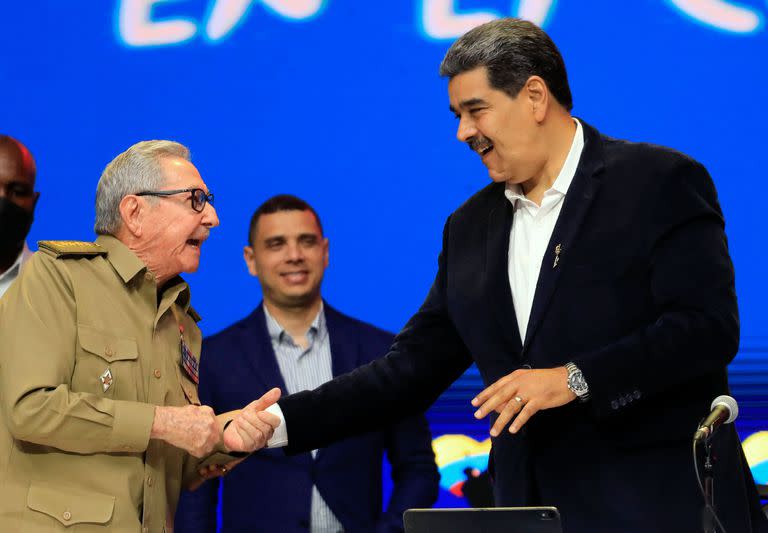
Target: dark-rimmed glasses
<point x="198" y="197"/>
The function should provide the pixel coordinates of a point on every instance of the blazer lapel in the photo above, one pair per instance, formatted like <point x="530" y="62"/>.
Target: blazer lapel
<point x="576" y="204"/>
<point x="497" y="268"/>
<point x="256" y="348"/>
<point x="344" y="353"/>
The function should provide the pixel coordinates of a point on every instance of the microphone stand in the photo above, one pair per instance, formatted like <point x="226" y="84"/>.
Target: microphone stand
<point x="707" y="519"/>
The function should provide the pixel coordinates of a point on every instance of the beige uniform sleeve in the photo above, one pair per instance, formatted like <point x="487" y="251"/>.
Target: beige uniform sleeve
<point x="38" y="332"/>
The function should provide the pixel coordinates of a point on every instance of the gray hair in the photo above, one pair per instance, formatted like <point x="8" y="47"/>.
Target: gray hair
<point x="135" y="170"/>
<point x="512" y="50"/>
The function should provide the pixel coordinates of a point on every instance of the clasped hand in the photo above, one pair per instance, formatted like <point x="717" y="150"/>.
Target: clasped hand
<point x="251" y="427"/>
<point x="522" y="394"/>
<point x="197" y="430"/>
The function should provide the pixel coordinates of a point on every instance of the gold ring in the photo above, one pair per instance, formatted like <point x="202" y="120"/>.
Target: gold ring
<point x="518" y="399"/>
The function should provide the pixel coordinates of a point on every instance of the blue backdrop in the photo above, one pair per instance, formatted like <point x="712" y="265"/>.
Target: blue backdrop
<point x="339" y="101"/>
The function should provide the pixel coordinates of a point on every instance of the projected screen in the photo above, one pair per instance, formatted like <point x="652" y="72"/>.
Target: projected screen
<point x="339" y="102"/>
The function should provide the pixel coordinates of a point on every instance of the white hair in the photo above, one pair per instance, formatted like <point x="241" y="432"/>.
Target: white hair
<point x="135" y="170"/>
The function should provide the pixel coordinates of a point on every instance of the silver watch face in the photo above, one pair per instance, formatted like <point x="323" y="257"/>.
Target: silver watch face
<point x="577" y="384"/>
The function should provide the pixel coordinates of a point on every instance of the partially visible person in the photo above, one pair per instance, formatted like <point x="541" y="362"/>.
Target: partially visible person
<point x="296" y="341"/>
<point x="101" y="422"/>
<point x="17" y="206"/>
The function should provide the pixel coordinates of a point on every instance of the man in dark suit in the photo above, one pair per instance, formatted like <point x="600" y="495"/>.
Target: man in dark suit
<point x="294" y="341"/>
<point x="592" y="285"/>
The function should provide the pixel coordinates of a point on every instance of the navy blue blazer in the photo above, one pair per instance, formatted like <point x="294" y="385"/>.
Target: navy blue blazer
<point x="271" y="491"/>
<point x="642" y="299"/>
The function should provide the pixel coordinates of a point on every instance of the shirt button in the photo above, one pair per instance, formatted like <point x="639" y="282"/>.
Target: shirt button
<point x="67" y="515"/>
<point x="108" y="351"/>
<point x="157" y="373"/>
<point x="149" y="481"/>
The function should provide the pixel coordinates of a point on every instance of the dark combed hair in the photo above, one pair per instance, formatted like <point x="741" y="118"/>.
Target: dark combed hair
<point x="512" y="50"/>
<point x="281" y="202"/>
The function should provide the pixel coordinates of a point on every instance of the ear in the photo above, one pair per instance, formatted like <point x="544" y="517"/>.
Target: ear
<point x="326" y="247"/>
<point x="132" y="212"/>
<point x="250" y="261"/>
<point x="538" y="96"/>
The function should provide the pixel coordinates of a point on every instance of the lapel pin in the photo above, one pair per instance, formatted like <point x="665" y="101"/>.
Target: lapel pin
<point x="558" y="250"/>
<point x="106" y="380"/>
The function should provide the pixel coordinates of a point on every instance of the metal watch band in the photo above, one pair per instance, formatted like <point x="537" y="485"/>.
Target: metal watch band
<point x="576" y="382"/>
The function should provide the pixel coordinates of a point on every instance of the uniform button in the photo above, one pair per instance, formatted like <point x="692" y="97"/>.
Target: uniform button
<point x="148" y="276"/>
<point x="158" y="373"/>
<point x="149" y="481"/>
<point x="614" y="405"/>
<point x="67" y="515"/>
<point x="636" y="395"/>
<point x="108" y="351"/>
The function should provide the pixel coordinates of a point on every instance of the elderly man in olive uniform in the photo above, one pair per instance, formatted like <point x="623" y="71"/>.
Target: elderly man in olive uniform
<point x="101" y="424"/>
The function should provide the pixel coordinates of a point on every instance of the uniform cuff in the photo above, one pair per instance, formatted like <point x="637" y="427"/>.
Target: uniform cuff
<point x="132" y="426"/>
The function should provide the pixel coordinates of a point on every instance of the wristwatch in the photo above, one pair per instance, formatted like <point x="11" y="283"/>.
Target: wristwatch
<point x="576" y="382"/>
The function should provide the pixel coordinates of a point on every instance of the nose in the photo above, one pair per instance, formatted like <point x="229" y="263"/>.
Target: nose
<point x="466" y="129"/>
<point x="294" y="252"/>
<point x="210" y="218"/>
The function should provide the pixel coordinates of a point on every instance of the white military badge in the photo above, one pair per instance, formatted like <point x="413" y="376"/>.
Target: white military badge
<point x="106" y="380"/>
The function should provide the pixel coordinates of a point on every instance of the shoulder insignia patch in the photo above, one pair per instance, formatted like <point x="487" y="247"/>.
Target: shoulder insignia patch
<point x="60" y="249"/>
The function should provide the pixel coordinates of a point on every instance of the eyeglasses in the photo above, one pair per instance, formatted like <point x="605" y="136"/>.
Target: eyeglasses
<point x="198" y="197"/>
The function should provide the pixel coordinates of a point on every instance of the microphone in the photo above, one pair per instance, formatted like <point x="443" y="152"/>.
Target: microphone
<point x="724" y="411"/>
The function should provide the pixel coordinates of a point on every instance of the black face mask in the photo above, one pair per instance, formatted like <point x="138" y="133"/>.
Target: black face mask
<point x="15" y="222"/>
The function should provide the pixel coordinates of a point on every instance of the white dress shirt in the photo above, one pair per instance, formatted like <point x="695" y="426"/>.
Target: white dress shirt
<point x="531" y="231"/>
<point x="306" y="369"/>
<point x="7" y="277"/>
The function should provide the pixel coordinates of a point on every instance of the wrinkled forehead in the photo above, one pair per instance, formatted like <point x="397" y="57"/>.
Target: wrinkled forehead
<point x="16" y="162"/>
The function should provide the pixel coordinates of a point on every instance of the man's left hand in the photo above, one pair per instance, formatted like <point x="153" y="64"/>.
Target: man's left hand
<point x="522" y="394"/>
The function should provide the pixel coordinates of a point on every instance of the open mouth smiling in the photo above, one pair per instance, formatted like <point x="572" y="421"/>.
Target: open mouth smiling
<point x="481" y="146"/>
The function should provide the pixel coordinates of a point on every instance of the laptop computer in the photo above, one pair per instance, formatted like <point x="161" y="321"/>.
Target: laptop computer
<point x="490" y="520"/>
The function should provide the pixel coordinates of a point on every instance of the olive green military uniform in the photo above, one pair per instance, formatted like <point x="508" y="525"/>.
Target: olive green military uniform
<point x="87" y="349"/>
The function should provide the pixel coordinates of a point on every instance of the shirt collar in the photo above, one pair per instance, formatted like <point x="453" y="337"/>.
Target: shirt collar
<point x="128" y="266"/>
<point x="278" y="333"/>
<point x="124" y="261"/>
<point x="563" y="181"/>
<point x="15" y="268"/>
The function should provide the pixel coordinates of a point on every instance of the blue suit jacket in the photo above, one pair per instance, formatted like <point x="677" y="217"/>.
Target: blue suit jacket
<point x="642" y="299"/>
<point x="271" y="491"/>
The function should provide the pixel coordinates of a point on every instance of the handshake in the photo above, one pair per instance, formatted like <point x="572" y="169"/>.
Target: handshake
<point x="197" y="429"/>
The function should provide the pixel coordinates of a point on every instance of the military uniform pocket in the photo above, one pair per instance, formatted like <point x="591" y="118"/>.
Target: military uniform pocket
<point x="107" y="364"/>
<point x="67" y="506"/>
